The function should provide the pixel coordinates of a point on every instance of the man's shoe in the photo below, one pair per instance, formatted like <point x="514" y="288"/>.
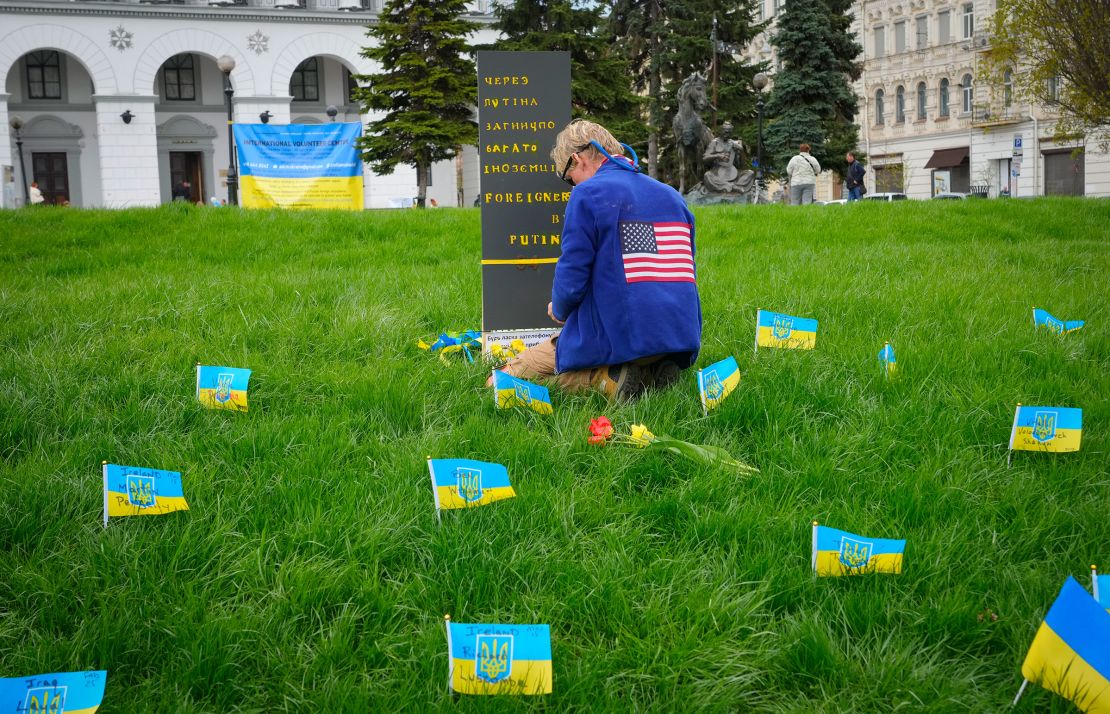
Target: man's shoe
<point x="629" y="381"/>
<point x="664" y="374"/>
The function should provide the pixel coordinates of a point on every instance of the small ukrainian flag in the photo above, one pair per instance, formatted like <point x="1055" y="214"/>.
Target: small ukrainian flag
<point x="1046" y="429"/>
<point x="499" y="659"/>
<point x="716" y="382"/>
<point x="462" y="483"/>
<point x="842" y="553"/>
<point x="773" y="329"/>
<point x="508" y="392"/>
<point x="1100" y="587"/>
<point x="886" y="356"/>
<point x="223" y="387"/>
<point x="1042" y="318"/>
<point x="1070" y="654"/>
<point x="69" y="692"/>
<point x="135" y="491"/>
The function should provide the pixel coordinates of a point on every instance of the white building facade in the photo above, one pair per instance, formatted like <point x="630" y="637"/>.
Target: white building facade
<point x="121" y="103"/>
<point x="929" y="124"/>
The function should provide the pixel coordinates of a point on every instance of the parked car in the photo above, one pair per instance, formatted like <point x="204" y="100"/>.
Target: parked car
<point x="885" y="197"/>
<point x="952" y="196"/>
<point x="829" y="203"/>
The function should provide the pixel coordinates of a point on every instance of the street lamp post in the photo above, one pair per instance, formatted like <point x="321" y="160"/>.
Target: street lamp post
<point x="759" y="82"/>
<point x="16" y="124"/>
<point x="226" y="63"/>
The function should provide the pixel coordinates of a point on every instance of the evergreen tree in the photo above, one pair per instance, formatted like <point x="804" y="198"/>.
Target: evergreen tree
<point x="812" y="100"/>
<point x="427" y="87"/>
<point x="668" y="41"/>
<point x="600" y="86"/>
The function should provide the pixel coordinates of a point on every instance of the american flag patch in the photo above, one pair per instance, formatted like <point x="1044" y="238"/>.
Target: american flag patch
<point x="656" y="252"/>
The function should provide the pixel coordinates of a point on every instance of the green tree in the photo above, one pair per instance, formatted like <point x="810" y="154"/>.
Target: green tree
<point x="1057" y="52"/>
<point x="668" y="41"/>
<point x="600" y="86"/>
<point x="427" y="87"/>
<point x="812" y="100"/>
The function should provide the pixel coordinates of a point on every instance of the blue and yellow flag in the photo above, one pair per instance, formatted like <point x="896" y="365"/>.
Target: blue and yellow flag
<point x="300" y="165"/>
<point x="1042" y="318"/>
<point x="1070" y="654"/>
<point x="773" y="329"/>
<point x="1100" y="587"/>
<point x="886" y="356"/>
<point x="716" y="382"/>
<point x="499" y="659"/>
<point x="135" y="491"/>
<point x="56" y="693"/>
<point x="508" y="392"/>
<point x="1046" y="429"/>
<point x="843" y="553"/>
<point x="462" y="483"/>
<point x="223" y="387"/>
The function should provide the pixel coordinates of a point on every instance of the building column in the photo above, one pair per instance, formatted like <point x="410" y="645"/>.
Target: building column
<point x="10" y="188"/>
<point x="128" y="153"/>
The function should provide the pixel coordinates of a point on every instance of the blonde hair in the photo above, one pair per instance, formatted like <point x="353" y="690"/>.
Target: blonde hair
<point x="575" y="138"/>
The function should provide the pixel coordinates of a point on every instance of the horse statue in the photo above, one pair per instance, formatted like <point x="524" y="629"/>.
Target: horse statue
<point x="690" y="133"/>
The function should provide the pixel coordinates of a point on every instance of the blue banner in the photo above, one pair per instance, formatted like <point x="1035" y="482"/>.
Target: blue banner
<point x="300" y="165"/>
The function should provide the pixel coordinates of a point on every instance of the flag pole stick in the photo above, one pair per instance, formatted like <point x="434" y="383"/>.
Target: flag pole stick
<point x="450" y="658"/>
<point x="701" y="392"/>
<point x="757" y="311"/>
<point x="1024" y="683"/>
<point x="813" y="551"/>
<point x="1094" y="582"/>
<point x="886" y="360"/>
<point x="1013" y="433"/>
<point x="104" y="470"/>
<point x="435" y="489"/>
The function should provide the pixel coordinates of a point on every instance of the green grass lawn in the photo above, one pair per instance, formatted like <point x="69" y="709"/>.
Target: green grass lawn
<point x="310" y="573"/>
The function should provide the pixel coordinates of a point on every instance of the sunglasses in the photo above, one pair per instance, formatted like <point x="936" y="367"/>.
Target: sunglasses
<point x="570" y="163"/>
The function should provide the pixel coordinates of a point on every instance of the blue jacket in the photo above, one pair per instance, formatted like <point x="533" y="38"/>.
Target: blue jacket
<point x="612" y="314"/>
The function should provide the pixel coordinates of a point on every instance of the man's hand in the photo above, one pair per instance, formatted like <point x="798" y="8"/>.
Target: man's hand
<point x="554" y="319"/>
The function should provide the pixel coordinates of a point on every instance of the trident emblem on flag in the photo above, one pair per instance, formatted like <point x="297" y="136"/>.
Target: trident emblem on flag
<point x="223" y="388"/>
<point x="495" y="657"/>
<point x="468" y="484"/>
<point x="714" y="390"/>
<point x="855" y="553"/>
<point x="523" y="393"/>
<point x="783" y="327"/>
<point x="140" y="491"/>
<point x="43" y="700"/>
<point x="1044" y="426"/>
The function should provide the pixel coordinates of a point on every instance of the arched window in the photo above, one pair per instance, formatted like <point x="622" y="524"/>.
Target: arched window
<point x="880" y="110"/>
<point x="921" y="89"/>
<point x="969" y="92"/>
<point x="179" y="78"/>
<point x="943" y="103"/>
<point x="899" y="104"/>
<point x="305" y="84"/>
<point x="1007" y="88"/>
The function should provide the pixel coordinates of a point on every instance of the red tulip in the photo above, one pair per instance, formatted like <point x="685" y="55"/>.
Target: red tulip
<point x="601" y="428"/>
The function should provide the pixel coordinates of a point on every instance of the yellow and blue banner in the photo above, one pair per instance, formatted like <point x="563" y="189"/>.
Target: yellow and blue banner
<point x="56" y="693"/>
<point x="716" y="382"/>
<point x="223" y="387"/>
<point x="1046" y="429"/>
<point x="136" y="491"/>
<point x="773" y="329"/>
<point x="509" y="392"/>
<point x="1042" y="318"/>
<point x="838" y="552"/>
<point x="1100" y="588"/>
<point x="499" y="659"/>
<point x="463" y="483"/>
<point x="886" y="356"/>
<point x="300" y="165"/>
<point x="1070" y="654"/>
<point x="466" y="342"/>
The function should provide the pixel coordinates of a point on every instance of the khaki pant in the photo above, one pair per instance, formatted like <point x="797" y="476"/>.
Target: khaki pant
<point x="538" y="362"/>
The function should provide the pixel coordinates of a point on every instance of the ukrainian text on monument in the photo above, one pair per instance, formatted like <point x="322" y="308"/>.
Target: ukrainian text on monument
<point x="523" y="103"/>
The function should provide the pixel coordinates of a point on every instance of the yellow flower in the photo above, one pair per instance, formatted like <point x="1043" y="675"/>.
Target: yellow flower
<point x="641" y="437"/>
<point x="495" y="349"/>
<point x="517" y="346"/>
